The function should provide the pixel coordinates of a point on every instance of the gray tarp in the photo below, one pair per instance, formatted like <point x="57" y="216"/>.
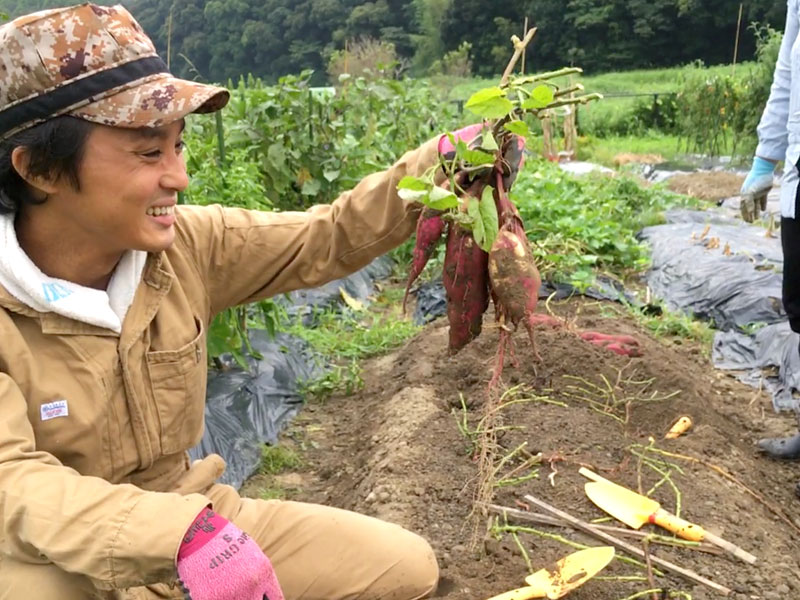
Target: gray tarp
<point x="729" y="272"/>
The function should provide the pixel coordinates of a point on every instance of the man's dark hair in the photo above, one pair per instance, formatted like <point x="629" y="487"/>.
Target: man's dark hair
<point x="56" y="150"/>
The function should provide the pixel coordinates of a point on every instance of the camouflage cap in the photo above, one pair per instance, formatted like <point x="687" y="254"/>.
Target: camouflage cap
<point x="92" y="62"/>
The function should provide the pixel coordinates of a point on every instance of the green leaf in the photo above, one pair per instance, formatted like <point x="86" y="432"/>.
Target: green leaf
<point x="412" y="195"/>
<point x="441" y="199"/>
<point x="485" y="95"/>
<point x="541" y="96"/>
<point x="490" y="103"/>
<point x="543" y="93"/>
<point x="331" y="175"/>
<point x="519" y="128"/>
<point x="488" y="212"/>
<point x="414" y="189"/>
<point x="488" y="142"/>
<point x="478" y="157"/>
<point x="276" y="155"/>
<point x="474" y="211"/>
<point x="413" y="183"/>
<point x="311" y="187"/>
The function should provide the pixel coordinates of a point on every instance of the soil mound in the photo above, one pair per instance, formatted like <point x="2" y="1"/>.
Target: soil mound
<point x="707" y="185"/>
<point x="406" y="449"/>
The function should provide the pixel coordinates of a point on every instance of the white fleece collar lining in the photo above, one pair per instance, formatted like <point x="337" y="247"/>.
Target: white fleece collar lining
<point x="23" y="280"/>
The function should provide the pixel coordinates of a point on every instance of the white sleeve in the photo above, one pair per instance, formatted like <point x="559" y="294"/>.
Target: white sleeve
<point x="772" y="129"/>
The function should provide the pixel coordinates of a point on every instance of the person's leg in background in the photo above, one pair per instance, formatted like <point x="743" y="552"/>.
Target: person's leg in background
<point x="788" y="448"/>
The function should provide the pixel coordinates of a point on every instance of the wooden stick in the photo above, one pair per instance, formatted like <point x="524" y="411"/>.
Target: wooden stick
<point x="650" y="578"/>
<point x="775" y="509"/>
<point x="541" y="519"/>
<point x="610" y="539"/>
<point x="519" y="48"/>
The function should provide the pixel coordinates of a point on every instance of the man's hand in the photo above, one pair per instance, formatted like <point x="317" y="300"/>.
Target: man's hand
<point x="218" y="561"/>
<point x="755" y="188"/>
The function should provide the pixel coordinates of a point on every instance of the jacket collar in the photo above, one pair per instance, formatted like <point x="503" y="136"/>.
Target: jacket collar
<point x="156" y="277"/>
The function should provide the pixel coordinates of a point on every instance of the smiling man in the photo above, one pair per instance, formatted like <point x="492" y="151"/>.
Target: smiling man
<point x="106" y="292"/>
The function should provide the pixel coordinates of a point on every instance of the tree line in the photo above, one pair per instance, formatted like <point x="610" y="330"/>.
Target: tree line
<point x="220" y="39"/>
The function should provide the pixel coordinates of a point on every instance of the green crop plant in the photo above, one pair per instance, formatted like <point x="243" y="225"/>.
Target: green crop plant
<point x="338" y="379"/>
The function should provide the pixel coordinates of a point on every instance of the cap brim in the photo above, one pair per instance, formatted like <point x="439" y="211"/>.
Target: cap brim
<point x="154" y="102"/>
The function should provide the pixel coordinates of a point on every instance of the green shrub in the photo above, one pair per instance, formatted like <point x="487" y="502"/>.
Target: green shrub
<point x="720" y="112"/>
<point x="581" y="224"/>
<point x="289" y="146"/>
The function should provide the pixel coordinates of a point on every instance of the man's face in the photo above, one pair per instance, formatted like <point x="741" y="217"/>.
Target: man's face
<point x="129" y="184"/>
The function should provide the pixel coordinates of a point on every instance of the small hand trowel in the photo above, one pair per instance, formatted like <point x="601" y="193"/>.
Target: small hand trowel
<point x="564" y="576"/>
<point x="636" y="510"/>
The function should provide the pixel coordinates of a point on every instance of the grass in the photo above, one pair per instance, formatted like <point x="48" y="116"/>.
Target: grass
<point x="604" y="150"/>
<point x="346" y="337"/>
<point x="278" y="459"/>
<point x="267" y="483"/>
<point x="668" y="325"/>
<point x="356" y="335"/>
<point x="339" y="379"/>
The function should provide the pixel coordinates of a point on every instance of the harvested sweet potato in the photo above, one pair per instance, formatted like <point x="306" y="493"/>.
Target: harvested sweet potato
<point x="466" y="281"/>
<point x="430" y="227"/>
<point x="515" y="283"/>
<point x="514" y="277"/>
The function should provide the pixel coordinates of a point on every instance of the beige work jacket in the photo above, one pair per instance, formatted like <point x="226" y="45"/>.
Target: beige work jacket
<point x="94" y="426"/>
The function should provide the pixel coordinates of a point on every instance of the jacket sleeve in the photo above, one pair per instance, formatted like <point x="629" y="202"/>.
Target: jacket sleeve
<point x="251" y="255"/>
<point x="772" y="129"/>
<point x="49" y="513"/>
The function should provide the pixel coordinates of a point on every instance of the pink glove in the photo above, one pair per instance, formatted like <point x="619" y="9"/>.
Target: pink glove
<point x="471" y="135"/>
<point x="218" y="561"/>
<point x="468" y="134"/>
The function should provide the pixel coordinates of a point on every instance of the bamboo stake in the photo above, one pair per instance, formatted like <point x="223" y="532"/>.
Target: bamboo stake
<point x="736" y="44"/>
<point x="610" y="539"/>
<point x="524" y="33"/>
<point x="541" y="519"/>
<point x="169" y="38"/>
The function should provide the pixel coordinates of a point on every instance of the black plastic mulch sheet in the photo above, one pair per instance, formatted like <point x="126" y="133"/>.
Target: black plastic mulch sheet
<point x="359" y="286"/>
<point x="729" y="272"/>
<point x="432" y="298"/>
<point x="246" y="409"/>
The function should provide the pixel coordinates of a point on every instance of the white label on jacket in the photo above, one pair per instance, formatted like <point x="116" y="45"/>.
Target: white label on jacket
<point x="52" y="410"/>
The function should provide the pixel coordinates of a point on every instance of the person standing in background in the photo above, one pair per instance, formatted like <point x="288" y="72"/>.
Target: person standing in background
<point x="779" y="140"/>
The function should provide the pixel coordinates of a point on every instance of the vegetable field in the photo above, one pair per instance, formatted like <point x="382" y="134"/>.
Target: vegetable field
<point x="443" y="441"/>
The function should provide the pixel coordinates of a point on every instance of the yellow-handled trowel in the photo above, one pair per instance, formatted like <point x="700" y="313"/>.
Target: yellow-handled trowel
<point x="636" y="510"/>
<point x="564" y="576"/>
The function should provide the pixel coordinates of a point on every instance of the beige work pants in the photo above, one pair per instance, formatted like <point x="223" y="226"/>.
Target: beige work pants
<point x="319" y="553"/>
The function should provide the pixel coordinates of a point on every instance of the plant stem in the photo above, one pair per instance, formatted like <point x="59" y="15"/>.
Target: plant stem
<point x="519" y="48"/>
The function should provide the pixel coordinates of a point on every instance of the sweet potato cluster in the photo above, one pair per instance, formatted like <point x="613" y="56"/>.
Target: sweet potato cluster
<point x="506" y="274"/>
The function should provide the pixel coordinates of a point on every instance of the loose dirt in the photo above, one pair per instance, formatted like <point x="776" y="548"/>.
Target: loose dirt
<point x="707" y="185"/>
<point x="405" y="449"/>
